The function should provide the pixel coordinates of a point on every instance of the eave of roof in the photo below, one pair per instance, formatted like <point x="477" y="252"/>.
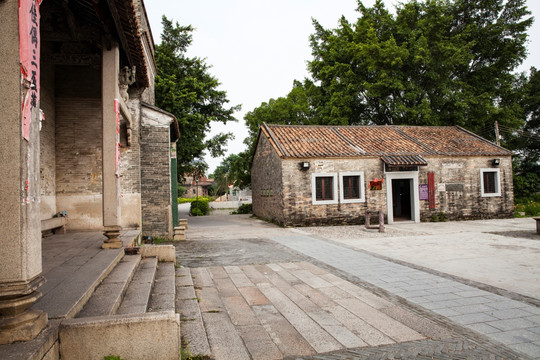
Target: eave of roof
<point x="127" y="25"/>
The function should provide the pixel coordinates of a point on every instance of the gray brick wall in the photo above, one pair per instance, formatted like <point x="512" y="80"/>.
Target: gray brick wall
<point x="267" y="183"/>
<point x="155" y="181"/>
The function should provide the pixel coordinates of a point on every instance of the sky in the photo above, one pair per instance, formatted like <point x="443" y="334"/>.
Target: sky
<point x="258" y="48"/>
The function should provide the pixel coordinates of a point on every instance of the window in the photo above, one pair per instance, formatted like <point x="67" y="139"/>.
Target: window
<point x="352" y="187"/>
<point x="490" y="182"/>
<point x="324" y="188"/>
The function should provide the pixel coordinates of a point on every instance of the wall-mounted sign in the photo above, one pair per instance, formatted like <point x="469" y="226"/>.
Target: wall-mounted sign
<point x="423" y="191"/>
<point x="376" y="184"/>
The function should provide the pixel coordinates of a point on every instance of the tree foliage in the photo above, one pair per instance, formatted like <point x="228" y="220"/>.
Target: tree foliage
<point x="185" y="88"/>
<point x="233" y="170"/>
<point x="433" y="62"/>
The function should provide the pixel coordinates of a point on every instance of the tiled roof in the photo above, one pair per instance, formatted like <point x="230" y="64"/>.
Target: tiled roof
<point x="399" y="160"/>
<point x="305" y="141"/>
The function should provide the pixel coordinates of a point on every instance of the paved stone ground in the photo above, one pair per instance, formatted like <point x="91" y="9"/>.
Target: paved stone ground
<point x="515" y="324"/>
<point x="297" y="310"/>
<point x="288" y="272"/>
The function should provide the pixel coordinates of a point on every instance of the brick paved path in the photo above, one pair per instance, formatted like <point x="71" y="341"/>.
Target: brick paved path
<point x="512" y="323"/>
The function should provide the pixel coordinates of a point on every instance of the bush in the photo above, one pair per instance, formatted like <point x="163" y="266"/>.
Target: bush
<point x="182" y="200"/>
<point x="201" y="206"/>
<point x="244" y="209"/>
<point x="527" y="206"/>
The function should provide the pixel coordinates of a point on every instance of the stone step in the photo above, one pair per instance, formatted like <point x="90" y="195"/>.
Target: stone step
<point x="138" y="292"/>
<point x="108" y="296"/>
<point x="163" y="293"/>
<point x="192" y="331"/>
<point x="76" y="282"/>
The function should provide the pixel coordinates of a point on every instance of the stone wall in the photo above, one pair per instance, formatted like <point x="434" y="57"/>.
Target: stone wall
<point x="267" y="183"/>
<point x="299" y="208"/>
<point x="155" y="179"/>
<point x="79" y="146"/>
<point x="457" y="189"/>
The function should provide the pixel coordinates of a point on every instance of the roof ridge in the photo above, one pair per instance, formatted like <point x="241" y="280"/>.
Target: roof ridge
<point x="481" y="138"/>
<point x="416" y="141"/>
<point x="273" y="139"/>
<point x="347" y="141"/>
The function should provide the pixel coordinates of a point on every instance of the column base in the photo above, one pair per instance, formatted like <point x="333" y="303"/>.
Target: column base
<point x="22" y="327"/>
<point x="113" y="241"/>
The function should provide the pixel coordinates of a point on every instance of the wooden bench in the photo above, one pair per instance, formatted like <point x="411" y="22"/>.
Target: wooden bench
<point x="54" y="223"/>
<point x="537" y="224"/>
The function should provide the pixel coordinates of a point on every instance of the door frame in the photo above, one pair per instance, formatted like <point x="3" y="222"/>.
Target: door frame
<point x="415" y="197"/>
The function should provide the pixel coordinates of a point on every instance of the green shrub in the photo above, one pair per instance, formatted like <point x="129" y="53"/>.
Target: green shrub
<point x="244" y="209"/>
<point x="527" y="206"/>
<point x="201" y="205"/>
<point x="196" y="212"/>
<point x="182" y="200"/>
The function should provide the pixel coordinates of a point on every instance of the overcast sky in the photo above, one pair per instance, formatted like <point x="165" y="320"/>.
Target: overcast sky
<point x="257" y="48"/>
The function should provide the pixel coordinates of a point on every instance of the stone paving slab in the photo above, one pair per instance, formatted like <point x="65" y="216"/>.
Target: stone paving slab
<point x="282" y="309"/>
<point x="444" y="296"/>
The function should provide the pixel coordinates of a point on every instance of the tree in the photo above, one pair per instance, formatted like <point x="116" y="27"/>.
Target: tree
<point x="234" y="169"/>
<point x="185" y="88"/>
<point x="435" y="62"/>
<point x="526" y="141"/>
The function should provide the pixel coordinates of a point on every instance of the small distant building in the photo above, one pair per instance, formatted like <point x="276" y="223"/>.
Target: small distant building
<point x="315" y="175"/>
<point x="197" y="186"/>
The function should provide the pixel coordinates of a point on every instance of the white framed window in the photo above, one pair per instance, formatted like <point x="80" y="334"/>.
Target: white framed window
<point x="352" y="187"/>
<point x="324" y="188"/>
<point x="490" y="182"/>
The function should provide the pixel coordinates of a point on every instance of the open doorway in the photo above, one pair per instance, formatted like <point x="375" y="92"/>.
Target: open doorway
<point x="401" y="199"/>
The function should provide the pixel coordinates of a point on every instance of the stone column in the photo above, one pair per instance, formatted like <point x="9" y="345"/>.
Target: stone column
<point x="20" y="242"/>
<point x="111" y="138"/>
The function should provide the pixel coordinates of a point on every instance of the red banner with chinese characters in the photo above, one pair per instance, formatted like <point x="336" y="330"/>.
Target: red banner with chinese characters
<point x="431" y="189"/>
<point x="29" y="52"/>
<point x="117" y="137"/>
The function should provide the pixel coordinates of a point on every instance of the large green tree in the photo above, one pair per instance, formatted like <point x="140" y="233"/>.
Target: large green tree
<point x="433" y="62"/>
<point x="185" y="88"/>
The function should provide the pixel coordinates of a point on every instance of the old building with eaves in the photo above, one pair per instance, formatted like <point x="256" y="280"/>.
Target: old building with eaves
<point x="80" y="138"/>
<point x="314" y="175"/>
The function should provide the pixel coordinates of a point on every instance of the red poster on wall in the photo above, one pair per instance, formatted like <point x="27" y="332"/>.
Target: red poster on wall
<point x="29" y="53"/>
<point x="431" y="189"/>
<point x="117" y="137"/>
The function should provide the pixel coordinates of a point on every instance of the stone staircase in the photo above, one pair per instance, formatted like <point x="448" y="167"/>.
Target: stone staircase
<point x="131" y="314"/>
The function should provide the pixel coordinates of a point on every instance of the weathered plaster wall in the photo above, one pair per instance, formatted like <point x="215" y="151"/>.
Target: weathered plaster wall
<point x="267" y="183"/>
<point x="155" y="175"/>
<point x="79" y="146"/>
<point x="130" y="167"/>
<point x="47" y="144"/>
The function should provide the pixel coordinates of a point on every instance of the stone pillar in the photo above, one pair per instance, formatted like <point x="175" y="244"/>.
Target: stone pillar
<point x="111" y="139"/>
<point x="20" y="242"/>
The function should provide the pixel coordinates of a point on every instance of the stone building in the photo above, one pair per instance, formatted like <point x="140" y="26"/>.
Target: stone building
<point x="309" y="175"/>
<point x="197" y="186"/>
<point x="79" y="135"/>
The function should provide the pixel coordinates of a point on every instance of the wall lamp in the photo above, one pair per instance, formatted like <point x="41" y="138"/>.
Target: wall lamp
<point x="304" y="165"/>
<point x="496" y="162"/>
